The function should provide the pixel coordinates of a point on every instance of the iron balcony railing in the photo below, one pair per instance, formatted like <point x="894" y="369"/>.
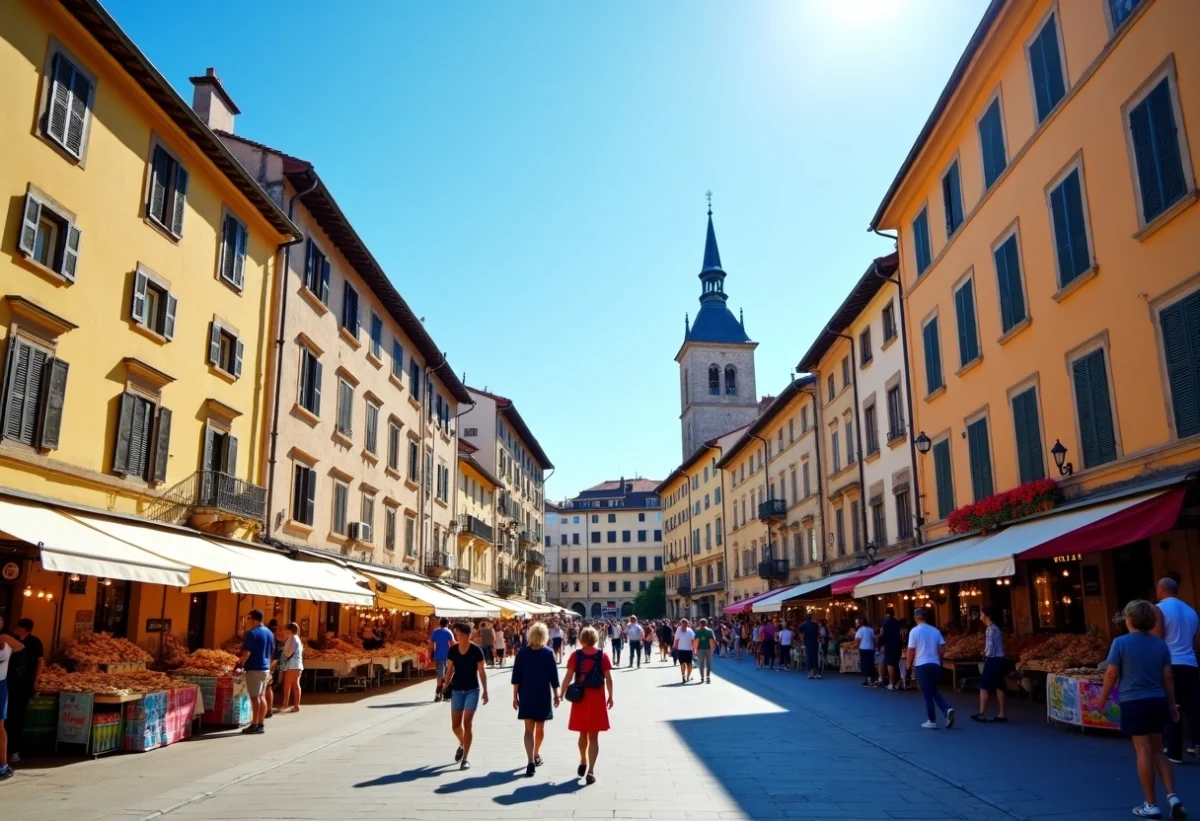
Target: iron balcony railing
<point x="508" y="587"/>
<point x="535" y="558"/>
<point x="462" y="575"/>
<point x="537" y="596"/>
<point x="772" y="568"/>
<point x="214" y="490"/>
<point x="772" y="509"/>
<point x="684" y="586"/>
<point x="527" y="537"/>
<point x="436" y="561"/>
<point x="476" y="527"/>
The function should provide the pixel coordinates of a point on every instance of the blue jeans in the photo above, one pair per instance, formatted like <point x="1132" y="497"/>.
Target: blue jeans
<point x="461" y="700"/>
<point x="928" y="678"/>
<point x="440" y="666"/>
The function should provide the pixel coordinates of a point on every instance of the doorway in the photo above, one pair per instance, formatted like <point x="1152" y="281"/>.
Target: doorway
<point x="197" y="621"/>
<point x="112" y="607"/>
<point x="1133" y="569"/>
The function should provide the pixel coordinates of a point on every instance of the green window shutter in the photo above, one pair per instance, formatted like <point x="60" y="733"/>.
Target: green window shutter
<point x="933" y="357"/>
<point x="70" y="259"/>
<point x="1081" y="259"/>
<point x="1166" y="144"/>
<point x="124" y="432"/>
<point x="1046" y="67"/>
<point x="1030" y="462"/>
<point x="1008" y="278"/>
<point x="968" y="338"/>
<point x="981" y="462"/>
<point x="1095" y="410"/>
<point x="62" y="73"/>
<point x="137" y="306"/>
<point x="1181" y="345"/>
<point x="921" y="247"/>
<point x="991" y="141"/>
<point x="162" y="445"/>
<point x="943" y="478"/>
<point x="952" y="199"/>
<point x="31" y="216"/>
<point x="179" y="200"/>
<point x="52" y="407"/>
<point x="160" y="170"/>
<point x="214" y="343"/>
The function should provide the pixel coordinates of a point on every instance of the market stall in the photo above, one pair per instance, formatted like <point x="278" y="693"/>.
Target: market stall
<point x="224" y="700"/>
<point x="1071" y="699"/>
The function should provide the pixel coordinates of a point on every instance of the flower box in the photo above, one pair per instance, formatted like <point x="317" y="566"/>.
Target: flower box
<point x="1004" y="508"/>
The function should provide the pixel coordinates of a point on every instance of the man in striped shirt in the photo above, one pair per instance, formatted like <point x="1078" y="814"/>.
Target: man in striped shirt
<point x="992" y="679"/>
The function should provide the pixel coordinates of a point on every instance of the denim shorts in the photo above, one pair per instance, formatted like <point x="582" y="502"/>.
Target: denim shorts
<point x="3" y="699"/>
<point x="463" y="700"/>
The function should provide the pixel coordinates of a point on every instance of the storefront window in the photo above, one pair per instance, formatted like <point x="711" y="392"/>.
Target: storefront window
<point x="112" y="607"/>
<point x="1058" y="594"/>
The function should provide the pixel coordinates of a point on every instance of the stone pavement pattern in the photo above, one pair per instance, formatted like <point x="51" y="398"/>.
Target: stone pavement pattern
<point x="753" y="744"/>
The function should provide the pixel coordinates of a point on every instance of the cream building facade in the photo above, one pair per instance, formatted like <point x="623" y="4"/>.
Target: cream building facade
<point x="361" y="446"/>
<point x="509" y="450"/>
<point x="477" y="557"/>
<point x="604" y="546"/>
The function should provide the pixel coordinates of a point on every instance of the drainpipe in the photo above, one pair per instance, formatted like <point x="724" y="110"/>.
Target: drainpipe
<point x="918" y="516"/>
<point x="862" y="479"/>
<point x="279" y="341"/>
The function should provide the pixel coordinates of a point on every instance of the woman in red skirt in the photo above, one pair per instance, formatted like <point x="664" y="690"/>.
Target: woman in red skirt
<point x="590" y="668"/>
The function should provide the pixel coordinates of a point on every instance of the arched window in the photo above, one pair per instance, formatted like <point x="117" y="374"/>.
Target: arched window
<point x="730" y="380"/>
<point x="595" y="610"/>
<point x="714" y="380"/>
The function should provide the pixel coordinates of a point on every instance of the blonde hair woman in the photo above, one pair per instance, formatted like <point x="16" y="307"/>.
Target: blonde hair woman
<point x="535" y="683"/>
<point x="590" y="668"/>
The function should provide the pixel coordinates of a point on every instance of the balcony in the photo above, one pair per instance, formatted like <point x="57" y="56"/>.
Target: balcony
<point x="437" y="562"/>
<point x="772" y="510"/>
<point x="475" y="527"/>
<point x="535" y="558"/>
<point x="508" y="587"/>
<point x="211" y="501"/>
<point x="773" y="569"/>
<point x="526" y="537"/>
<point x="537" y="596"/>
<point x="462" y="575"/>
<point x="684" y="586"/>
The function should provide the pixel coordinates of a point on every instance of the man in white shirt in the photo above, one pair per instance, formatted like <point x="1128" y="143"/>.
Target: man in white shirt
<point x="635" y="633"/>
<point x="685" y="648"/>
<point x="866" y="652"/>
<point x="925" y="650"/>
<point x="1177" y="626"/>
<point x="556" y="641"/>
<point x="785" y="647"/>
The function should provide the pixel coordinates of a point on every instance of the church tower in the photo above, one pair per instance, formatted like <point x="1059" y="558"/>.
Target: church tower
<point x="716" y="361"/>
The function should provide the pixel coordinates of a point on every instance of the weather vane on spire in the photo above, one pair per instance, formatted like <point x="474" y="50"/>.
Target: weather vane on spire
<point x="708" y="196"/>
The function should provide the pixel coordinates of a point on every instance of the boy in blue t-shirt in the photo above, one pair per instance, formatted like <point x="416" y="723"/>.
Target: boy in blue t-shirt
<point x="439" y="648"/>
<point x="1140" y="663"/>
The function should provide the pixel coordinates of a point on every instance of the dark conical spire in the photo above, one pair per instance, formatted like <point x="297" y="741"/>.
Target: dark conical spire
<point x="714" y="322"/>
<point x="712" y="257"/>
<point x="712" y="276"/>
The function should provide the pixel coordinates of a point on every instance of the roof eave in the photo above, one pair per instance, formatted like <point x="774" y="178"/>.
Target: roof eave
<point x="795" y="387"/>
<point x="526" y="435"/>
<point x="860" y="296"/>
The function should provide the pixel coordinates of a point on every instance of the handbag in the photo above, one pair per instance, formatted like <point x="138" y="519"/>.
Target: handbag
<point x="574" y="691"/>
<point x="593" y="680"/>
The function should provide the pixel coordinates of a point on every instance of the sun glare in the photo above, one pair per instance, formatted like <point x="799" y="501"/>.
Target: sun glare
<point x="863" y="12"/>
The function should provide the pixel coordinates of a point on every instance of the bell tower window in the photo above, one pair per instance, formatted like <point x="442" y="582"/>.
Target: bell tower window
<point x="714" y="380"/>
<point x="730" y="380"/>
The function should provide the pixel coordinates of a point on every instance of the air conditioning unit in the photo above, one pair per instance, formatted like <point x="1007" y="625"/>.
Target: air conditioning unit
<point x="470" y="431"/>
<point x="359" y="532"/>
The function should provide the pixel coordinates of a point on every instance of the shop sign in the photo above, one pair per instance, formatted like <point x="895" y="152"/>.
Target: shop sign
<point x="85" y="621"/>
<point x="1070" y="557"/>
<point x="11" y="571"/>
<point x="158" y="625"/>
<point x="75" y="717"/>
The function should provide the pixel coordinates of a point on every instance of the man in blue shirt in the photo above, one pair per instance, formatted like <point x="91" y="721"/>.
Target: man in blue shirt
<point x="258" y="647"/>
<point x="439" y="648"/>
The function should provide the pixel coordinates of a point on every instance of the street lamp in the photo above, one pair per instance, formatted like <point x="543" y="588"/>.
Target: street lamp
<point x="1059" y="452"/>
<point x="923" y="442"/>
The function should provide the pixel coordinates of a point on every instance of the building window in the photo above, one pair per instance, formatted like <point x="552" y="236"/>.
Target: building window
<point x="612" y="587"/>
<point x="879" y="522"/>
<point x="804" y="419"/>
<point x="310" y="382"/>
<point x="836" y="451"/>
<point x="143" y="438"/>
<point x="595" y="564"/>
<point x="730" y="380"/>
<point x="968" y="331"/>
<point x="612" y="517"/>
<point x="389" y="528"/>
<point x="864" y="348"/>
<point x="595" y="537"/>
<point x="35" y="387"/>
<point x="341" y="501"/>
<point x="845" y="371"/>
<point x="641" y="537"/>
<point x="952" y="199"/>
<point x="574" y="565"/>
<point x="304" y="494"/>
<point x="1094" y="407"/>
<point x="626" y="564"/>
<point x="414" y="378"/>
<point x="641" y="564"/>
<point x="612" y="536"/>
<point x="168" y="191"/>
<point x="850" y="441"/>
<point x="574" y="538"/>
<point x="376" y="336"/>
<point x="895" y="414"/>
<point x="153" y="306"/>
<point x="943" y="478"/>
<point x="839" y="520"/>
<point x="626" y="536"/>
<point x="393" y="454"/>
<point x="350" y="310"/>
<point x="806" y="483"/>
<point x="831" y="389"/>
<point x="372" y="428"/>
<point x="316" y="272"/>
<point x="1121" y="11"/>
<point x="410" y="542"/>
<point x="367" y="512"/>
<point x="811" y="536"/>
<point x="658" y="535"/>
<point x="991" y="144"/>
<point x="1008" y="278"/>
<point x="225" y="348"/>
<point x="1180" y="324"/>
<point x="714" y="380"/>
<point x="979" y="453"/>
<point x="855" y="526"/>
<point x="233" y="251"/>
<point x="345" y="408"/>
<point x="414" y="466"/>
<point x="1073" y="252"/>
<point x="921" y="249"/>
<point x="220" y="451"/>
<point x="872" y="431"/>
<point x="658" y="565"/>
<point x="69" y="101"/>
<point x="933" y="356"/>
<point x="49" y="236"/>
<point x="1045" y="65"/>
<point x="904" y="523"/>
<point x="1030" y="463"/>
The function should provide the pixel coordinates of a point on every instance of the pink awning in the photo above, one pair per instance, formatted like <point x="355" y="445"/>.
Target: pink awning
<point x="740" y="607"/>
<point x="847" y="584"/>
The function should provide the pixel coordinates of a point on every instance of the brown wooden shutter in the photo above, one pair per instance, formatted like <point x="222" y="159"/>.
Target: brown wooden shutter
<point x="52" y="407"/>
<point x="179" y="200"/>
<point x="162" y="445"/>
<point x="124" y="430"/>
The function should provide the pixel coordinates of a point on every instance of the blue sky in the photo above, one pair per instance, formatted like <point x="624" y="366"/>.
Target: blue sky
<point x="532" y="174"/>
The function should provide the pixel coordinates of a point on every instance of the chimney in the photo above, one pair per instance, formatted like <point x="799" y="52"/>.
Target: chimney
<point x="210" y="100"/>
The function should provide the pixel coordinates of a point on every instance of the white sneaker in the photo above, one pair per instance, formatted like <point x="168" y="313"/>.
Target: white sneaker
<point x="1147" y="811"/>
<point x="950" y="718"/>
<point x="891" y="687"/>
<point x="929" y="725"/>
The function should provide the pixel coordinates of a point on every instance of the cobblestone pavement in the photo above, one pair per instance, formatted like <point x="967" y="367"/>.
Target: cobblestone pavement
<point x="753" y="744"/>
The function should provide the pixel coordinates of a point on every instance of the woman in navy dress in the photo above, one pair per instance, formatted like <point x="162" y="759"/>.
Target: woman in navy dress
<point x="535" y="691"/>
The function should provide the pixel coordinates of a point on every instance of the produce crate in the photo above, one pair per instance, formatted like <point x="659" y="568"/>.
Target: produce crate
<point x="41" y="724"/>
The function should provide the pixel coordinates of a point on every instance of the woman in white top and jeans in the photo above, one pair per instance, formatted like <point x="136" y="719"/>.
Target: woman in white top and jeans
<point x="866" y="652"/>
<point x="291" y="664"/>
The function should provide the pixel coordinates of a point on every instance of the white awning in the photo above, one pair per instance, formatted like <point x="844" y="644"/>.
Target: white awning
<point x="912" y="574"/>
<point x="467" y="606"/>
<point x="238" y="567"/>
<point x="68" y="546"/>
<point x="774" y="602"/>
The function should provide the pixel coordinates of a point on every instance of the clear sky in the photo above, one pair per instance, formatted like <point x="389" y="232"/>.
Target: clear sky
<point x="532" y="174"/>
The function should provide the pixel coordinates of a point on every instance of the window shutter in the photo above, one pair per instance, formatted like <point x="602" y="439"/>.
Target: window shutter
<point x="35" y="376"/>
<point x="1012" y="298"/>
<point x="324" y="282"/>
<point x="1180" y="327"/>
<point x="239" y="349"/>
<point x="1166" y="143"/>
<point x="81" y="92"/>
<point x="139" y="438"/>
<point x="162" y="445"/>
<point x="210" y="444"/>
<point x="1147" y="163"/>
<point x="1080" y="256"/>
<point x="52" y="408"/>
<point x="981" y="466"/>
<point x="70" y="259"/>
<point x="316" y="386"/>
<point x="1095" y="412"/>
<point x="961" y="298"/>
<point x="160" y="169"/>
<point x="124" y="431"/>
<point x="60" y="99"/>
<point x="137" y="308"/>
<point x="1062" y="235"/>
<point x="30" y="218"/>
<point x="228" y="242"/>
<point x="169" y="320"/>
<point x="1037" y="67"/>
<point x="310" y="499"/>
<point x="944" y="478"/>
<point x="1030" y="464"/>
<point x="229" y="460"/>
<point x="239" y="256"/>
<point x="309" y="279"/>
<point x="179" y="200"/>
<point x="933" y="357"/>
<point x="214" y="343"/>
<point x="14" y="386"/>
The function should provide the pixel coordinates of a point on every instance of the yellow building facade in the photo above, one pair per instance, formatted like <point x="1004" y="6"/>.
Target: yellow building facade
<point x="1048" y="252"/>
<point x="477" y="561"/>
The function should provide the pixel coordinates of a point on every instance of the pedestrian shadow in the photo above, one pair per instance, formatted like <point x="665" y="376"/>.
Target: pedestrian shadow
<point x="399" y="705"/>
<point x="406" y="777"/>
<point x="492" y="779"/>
<point x="538" y="792"/>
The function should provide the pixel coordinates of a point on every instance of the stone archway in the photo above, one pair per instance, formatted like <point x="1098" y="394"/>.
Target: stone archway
<point x="596" y="610"/>
<point x="579" y="608"/>
<point x="627" y="610"/>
